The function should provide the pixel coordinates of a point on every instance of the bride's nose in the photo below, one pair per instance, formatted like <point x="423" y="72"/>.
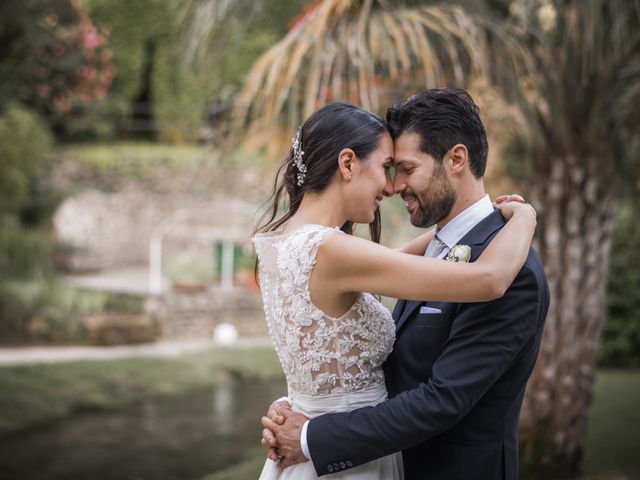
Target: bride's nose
<point x="388" y="188"/>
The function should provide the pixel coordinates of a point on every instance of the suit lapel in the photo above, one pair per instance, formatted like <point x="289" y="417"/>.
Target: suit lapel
<point x="479" y="235"/>
<point x="398" y="309"/>
<point x="410" y="307"/>
<point x="475" y="238"/>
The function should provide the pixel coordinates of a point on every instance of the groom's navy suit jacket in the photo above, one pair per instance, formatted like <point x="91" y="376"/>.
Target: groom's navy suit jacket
<point x="456" y="381"/>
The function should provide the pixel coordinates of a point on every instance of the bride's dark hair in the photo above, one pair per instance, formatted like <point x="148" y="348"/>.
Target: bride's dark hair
<point x="324" y="134"/>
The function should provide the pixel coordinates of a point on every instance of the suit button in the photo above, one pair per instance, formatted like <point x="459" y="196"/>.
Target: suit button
<point x="349" y="463"/>
<point x="336" y="467"/>
<point x="329" y="468"/>
<point x="342" y="465"/>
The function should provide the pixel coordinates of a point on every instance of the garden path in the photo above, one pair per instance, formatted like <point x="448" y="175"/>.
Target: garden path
<point x="11" y="356"/>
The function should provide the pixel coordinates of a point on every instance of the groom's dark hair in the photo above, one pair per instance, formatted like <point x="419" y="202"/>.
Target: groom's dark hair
<point x="443" y="118"/>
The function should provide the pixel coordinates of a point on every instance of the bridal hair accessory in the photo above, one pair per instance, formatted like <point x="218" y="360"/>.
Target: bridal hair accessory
<point x="459" y="253"/>
<point x="298" y="153"/>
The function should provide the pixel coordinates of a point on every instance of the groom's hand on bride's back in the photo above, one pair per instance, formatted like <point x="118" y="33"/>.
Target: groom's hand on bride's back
<point x="276" y="413"/>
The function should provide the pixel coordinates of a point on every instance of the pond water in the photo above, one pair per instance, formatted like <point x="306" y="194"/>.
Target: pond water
<point x="164" y="439"/>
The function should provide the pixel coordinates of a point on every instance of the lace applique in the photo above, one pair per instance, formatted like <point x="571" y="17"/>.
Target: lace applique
<point x="319" y="354"/>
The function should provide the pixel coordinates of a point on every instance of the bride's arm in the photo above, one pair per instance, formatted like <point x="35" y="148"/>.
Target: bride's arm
<point x="354" y="265"/>
<point x="419" y="245"/>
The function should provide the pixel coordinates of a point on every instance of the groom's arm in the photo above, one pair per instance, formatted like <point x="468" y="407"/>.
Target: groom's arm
<point x="484" y="341"/>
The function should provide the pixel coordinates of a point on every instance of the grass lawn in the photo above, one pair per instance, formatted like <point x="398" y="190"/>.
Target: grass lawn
<point x="613" y="438"/>
<point x="250" y="467"/>
<point x="135" y="157"/>
<point x="33" y="395"/>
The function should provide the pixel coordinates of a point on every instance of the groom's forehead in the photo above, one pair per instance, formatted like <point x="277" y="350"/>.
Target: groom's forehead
<point x="407" y="150"/>
<point x="409" y="156"/>
<point x="407" y="143"/>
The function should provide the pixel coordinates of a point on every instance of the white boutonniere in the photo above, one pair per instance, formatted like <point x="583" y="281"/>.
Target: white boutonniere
<point x="459" y="253"/>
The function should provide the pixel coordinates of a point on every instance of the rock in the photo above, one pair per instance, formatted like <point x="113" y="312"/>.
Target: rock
<point x="121" y="329"/>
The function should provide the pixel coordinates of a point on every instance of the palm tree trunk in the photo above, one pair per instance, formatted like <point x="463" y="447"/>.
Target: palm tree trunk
<point x="576" y="221"/>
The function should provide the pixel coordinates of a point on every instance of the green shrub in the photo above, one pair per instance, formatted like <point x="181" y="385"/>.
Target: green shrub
<point x="45" y="309"/>
<point x="26" y="144"/>
<point x="53" y="58"/>
<point x="621" y="334"/>
<point x="25" y="205"/>
<point x="22" y="251"/>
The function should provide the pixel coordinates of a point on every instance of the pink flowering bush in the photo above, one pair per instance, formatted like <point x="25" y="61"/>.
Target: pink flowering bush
<point x="57" y="61"/>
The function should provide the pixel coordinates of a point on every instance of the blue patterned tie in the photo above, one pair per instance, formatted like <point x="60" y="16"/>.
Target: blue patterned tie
<point x="435" y="248"/>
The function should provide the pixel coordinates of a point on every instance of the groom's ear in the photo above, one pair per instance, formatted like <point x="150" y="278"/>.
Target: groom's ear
<point x="458" y="158"/>
<point x="346" y="159"/>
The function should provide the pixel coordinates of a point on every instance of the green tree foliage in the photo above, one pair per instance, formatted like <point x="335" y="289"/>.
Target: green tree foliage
<point x="25" y="204"/>
<point x="26" y="143"/>
<point x="203" y="49"/>
<point x="621" y="334"/>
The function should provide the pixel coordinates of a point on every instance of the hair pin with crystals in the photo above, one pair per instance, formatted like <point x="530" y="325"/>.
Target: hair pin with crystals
<point x="298" y="153"/>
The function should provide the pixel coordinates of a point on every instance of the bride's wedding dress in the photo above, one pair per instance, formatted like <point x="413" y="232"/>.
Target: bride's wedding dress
<point x="331" y="364"/>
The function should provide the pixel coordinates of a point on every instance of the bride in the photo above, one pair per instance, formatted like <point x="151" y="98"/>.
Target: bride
<point x="331" y="338"/>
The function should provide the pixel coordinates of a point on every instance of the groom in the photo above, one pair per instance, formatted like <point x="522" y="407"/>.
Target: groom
<point x="457" y="374"/>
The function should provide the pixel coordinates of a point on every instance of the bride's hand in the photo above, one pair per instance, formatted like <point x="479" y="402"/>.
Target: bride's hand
<point x="509" y="209"/>
<point x="514" y="197"/>
<point x="276" y="413"/>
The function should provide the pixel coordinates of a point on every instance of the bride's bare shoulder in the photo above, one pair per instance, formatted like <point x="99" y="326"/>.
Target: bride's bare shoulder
<point x="343" y="249"/>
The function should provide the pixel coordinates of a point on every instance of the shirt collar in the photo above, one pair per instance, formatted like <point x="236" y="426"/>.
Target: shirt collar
<point x="462" y="223"/>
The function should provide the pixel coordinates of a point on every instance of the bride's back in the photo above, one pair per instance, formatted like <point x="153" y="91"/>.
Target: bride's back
<point x="319" y="354"/>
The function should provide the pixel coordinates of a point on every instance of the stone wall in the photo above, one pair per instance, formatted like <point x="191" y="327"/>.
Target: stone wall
<point x="195" y="315"/>
<point x="113" y="230"/>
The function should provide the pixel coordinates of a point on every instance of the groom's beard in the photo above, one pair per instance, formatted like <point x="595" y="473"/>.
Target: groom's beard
<point x="434" y="202"/>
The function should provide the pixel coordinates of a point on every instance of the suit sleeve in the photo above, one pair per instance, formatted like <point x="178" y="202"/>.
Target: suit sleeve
<point x="484" y="341"/>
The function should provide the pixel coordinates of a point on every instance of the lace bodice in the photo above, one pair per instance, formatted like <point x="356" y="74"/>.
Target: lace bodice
<point x="319" y="354"/>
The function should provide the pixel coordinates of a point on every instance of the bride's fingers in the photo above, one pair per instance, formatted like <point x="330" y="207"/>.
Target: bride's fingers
<point x="514" y="197"/>
<point x="277" y="417"/>
<point x="269" y="438"/>
<point x="272" y="452"/>
<point x="509" y="209"/>
<point x="278" y="407"/>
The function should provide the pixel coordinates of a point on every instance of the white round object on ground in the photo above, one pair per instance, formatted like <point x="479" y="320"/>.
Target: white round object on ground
<point x="225" y="334"/>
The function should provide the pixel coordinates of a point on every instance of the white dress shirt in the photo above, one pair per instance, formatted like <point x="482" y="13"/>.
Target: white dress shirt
<point x="450" y="235"/>
<point x="463" y="223"/>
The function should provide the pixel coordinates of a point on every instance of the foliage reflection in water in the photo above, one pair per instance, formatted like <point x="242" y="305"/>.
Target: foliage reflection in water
<point x="164" y="439"/>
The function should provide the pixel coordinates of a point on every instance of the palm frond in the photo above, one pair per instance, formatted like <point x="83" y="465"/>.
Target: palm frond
<point x="580" y="59"/>
<point x="204" y="21"/>
<point x="352" y="50"/>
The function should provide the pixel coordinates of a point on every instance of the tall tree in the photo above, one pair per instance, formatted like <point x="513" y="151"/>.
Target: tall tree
<point x="573" y="69"/>
<point x="581" y="143"/>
